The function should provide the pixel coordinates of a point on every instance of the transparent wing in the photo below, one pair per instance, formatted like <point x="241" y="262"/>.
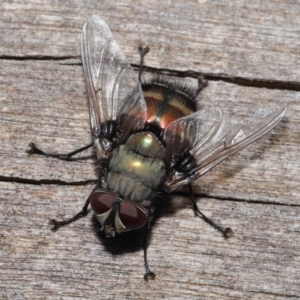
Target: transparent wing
<point x="231" y="136"/>
<point x="190" y="132"/>
<point x="112" y="85"/>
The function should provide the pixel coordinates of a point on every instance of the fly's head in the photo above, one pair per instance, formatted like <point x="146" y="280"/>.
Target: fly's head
<point x="117" y="215"/>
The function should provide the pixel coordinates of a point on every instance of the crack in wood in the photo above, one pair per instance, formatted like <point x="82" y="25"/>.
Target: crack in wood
<point x="242" y="81"/>
<point x="47" y="181"/>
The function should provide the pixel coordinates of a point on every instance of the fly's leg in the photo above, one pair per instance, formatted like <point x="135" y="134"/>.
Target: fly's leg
<point x="69" y="156"/>
<point x="149" y="274"/>
<point x="186" y="164"/>
<point x="80" y="214"/>
<point x="202" y="83"/>
<point x="143" y="51"/>
<point x="226" y="232"/>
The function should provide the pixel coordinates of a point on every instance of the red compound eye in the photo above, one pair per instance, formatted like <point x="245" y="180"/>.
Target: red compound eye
<point x="102" y="202"/>
<point x="132" y="216"/>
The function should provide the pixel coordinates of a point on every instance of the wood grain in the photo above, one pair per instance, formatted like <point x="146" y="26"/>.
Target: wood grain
<point x="250" y="54"/>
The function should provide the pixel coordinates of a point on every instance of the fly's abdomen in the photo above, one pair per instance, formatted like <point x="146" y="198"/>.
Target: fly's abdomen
<point x="136" y="169"/>
<point x="166" y="103"/>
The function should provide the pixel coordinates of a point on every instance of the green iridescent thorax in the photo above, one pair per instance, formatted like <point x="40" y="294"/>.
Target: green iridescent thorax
<point x="136" y="169"/>
<point x="146" y="144"/>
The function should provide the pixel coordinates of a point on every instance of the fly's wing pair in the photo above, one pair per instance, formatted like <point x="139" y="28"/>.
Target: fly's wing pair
<point x="214" y="136"/>
<point x="112" y="85"/>
<point x="114" y="91"/>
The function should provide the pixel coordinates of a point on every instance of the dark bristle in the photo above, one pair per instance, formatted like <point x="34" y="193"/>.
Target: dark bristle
<point x="180" y="86"/>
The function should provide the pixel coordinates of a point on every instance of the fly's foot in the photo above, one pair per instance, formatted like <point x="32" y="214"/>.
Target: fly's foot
<point x="149" y="275"/>
<point x="33" y="149"/>
<point x="143" y="50"/>
<point x="228" y="233"/>
<point x="55" y="224"/>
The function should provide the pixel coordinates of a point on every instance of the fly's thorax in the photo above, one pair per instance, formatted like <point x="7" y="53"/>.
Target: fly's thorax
<point x="166" y="104"/>
<point x="136" y="169"/>
<point x="146" y="144"/>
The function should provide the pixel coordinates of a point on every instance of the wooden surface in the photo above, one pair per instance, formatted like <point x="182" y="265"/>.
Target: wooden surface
<point x="250" y="54"/>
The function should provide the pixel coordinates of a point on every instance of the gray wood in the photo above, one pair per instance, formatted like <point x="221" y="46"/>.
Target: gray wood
<point x="253" y="41"/>
<point x="255" y="192"/>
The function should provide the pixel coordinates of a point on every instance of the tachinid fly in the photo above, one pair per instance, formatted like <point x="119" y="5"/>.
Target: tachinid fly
<point x="151" y="138"/>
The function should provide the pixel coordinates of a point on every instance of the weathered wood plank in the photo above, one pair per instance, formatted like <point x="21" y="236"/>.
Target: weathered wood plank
<point x="257" y="40"/>
<point x="191" y="260"/>
<point x="254" y="192"/>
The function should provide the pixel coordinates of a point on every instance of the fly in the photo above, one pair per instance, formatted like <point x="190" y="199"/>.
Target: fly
<point x="151" y="138"/>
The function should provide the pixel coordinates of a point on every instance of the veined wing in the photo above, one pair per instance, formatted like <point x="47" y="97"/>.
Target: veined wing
<point x="112" y="85"/>
<point x="231" y="137"/>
